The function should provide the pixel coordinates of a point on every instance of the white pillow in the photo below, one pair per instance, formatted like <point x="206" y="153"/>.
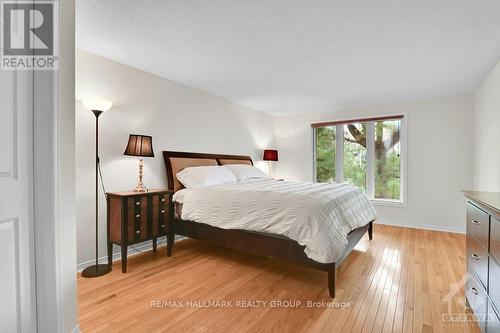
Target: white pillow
<point x="199" y="176"/>
<point x="245" y="171"/>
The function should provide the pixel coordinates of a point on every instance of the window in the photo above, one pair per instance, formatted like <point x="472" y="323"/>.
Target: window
<point x="363" y="152"/>
<point x="355" y="154"/>
<point x="387" y="166"/>
<point x="325" y="154"/>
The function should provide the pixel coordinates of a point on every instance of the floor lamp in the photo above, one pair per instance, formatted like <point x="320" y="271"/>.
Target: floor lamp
<point x="97" y="106"/>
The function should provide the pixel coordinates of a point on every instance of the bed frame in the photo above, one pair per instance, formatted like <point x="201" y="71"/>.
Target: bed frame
<point x="246" y="241"/>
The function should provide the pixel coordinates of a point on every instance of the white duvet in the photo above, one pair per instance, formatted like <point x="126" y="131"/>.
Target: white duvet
<point x="318" y="216"/>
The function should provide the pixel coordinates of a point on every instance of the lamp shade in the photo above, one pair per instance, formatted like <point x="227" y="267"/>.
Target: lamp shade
<point x="139" y="145"/>
<point x="97" y="104"/>
<point x="270" y="155"/>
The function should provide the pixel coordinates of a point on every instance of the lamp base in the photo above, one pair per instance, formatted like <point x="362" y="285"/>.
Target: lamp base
<point x="96" y="270"/>
<point x="140" y="188"/>
<point x="271" y="173"/>
<point x="140" y="185"/>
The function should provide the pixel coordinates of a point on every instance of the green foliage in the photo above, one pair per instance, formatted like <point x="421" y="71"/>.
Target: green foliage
<point x="387" y="181"/>
<point x="355" y="164"/>
<point x="325" y="154"/>
<point x="387" y="160"/>
<point x="387" y="166"/>
<point x="355" y="158"/>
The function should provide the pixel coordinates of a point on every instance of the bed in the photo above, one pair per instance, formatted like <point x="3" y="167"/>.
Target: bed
<point x="250" y="241"/>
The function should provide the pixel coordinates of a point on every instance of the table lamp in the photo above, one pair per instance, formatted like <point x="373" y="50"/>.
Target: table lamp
<point x="142" y="146"/>
<point x="270" y="155"/>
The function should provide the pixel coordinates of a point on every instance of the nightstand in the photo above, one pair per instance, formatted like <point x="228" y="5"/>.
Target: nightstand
<point x="135" y="217"/>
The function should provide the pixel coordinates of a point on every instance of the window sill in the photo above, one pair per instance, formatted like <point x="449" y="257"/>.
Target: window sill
<point x="388" y="203"/>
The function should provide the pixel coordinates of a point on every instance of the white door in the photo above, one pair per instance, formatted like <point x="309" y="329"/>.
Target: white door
<point x="17" y="268"/>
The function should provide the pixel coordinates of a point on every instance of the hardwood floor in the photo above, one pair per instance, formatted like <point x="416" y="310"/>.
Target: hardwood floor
<point x="395" y="283"/>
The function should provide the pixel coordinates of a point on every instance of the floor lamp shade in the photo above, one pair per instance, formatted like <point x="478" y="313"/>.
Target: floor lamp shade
<point x="97" y="104"/>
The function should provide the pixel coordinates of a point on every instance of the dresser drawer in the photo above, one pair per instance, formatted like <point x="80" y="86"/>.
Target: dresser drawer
<point x="493" y="323"/>
<point x="478" y="223"/>
<point x="477" y="259"/>
<point x="478" y="300"/>
<point x="495" y="238"/>
<point x="494" y="277"/>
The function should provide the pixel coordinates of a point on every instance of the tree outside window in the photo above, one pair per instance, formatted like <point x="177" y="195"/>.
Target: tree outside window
<point x="384" y="136"/>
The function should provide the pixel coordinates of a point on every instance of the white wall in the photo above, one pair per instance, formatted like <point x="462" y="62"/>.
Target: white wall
<point x="439" y="133"/>
<point x="178" y="117"/>
<point x="487" y="133"/>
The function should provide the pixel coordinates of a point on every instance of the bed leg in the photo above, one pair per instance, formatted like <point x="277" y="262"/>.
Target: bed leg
<point x="170" y="243"/>
<point x="370" y="231"/>
<point x="332" y="272"/>
<point x="170" y="229"/>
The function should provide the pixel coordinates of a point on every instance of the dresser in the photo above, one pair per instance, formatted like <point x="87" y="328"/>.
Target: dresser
<point x="482" y="288"/>
<point x="135" y="217"/>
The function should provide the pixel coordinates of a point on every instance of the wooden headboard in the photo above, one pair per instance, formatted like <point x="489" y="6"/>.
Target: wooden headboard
<point x="176" y="161"/>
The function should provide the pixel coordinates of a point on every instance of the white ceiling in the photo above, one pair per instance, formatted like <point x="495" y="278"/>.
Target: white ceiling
<point x="283" y="56"/>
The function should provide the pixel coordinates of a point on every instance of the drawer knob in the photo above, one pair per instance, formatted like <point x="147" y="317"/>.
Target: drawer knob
<point x="474" y="290"/>
<point x="138" y="203"/>
<point x="162" y="211"/>
<point x="138" y="232"/>
<point x="163" y="200"/>
<point x="162" y="226"/>
<point x="475" y="256"/>
<point x="138" y="215"/>
<point x="476" y="222"/>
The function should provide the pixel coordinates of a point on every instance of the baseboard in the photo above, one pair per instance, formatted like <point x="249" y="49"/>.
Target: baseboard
<point x="132" y="251"/>
<point x="457" y="230"/>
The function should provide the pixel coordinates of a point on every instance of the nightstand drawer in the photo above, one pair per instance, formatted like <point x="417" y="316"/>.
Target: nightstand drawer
<point x="164" y="211"/>
<point x="478" y="224"/>
<point x="147" y="217"/>
<point x="477" y="259"/>
<point x="161" y="210"/>
<point x="137" y="219"/>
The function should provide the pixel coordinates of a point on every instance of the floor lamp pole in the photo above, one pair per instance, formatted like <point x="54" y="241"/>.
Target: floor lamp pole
<point x="97" y="269"/>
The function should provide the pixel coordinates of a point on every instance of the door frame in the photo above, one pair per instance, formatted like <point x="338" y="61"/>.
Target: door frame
<point x="54" y="184"/>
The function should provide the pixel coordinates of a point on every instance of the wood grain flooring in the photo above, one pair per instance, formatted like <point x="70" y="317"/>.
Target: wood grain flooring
<point x="395" y="283"/>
